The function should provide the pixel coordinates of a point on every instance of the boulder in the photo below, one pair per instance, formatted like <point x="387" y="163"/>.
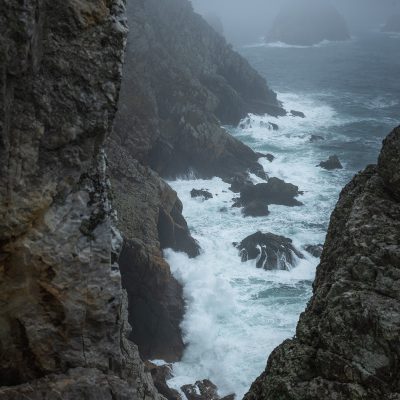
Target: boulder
<point x="255" y="208"/>
<point x="275" y="191"/>
<point x="205" y="194"/>
<point x="271" y="251"/>
<point x="295" y="113"/>
<point x="331" y="163"/>
<point x="308" y="22"/>
<point x="204" y="390"/>
<point x="314" y="249"/>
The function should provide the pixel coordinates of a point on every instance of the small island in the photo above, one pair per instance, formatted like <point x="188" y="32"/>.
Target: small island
<point x="308" y="22"/>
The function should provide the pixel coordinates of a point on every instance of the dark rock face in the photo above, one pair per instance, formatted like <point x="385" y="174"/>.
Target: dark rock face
<point x="149" y="219"/>
<point x="271" y="251"/>
<point x="255" y="208"/>
<point x="308" y="22"/>
<point x="63" y="315"/>
<point x="393" y="24"/>
<point x="181" y="82"/>
<point x="299" y="114"/>
<point x="203" y="390"/>
<point x="275" y="191"/>
<point x="314" y="249"/>
<point x="160" y="375"/>
<point x="331" y="163"/>
<point x="205" y="194"/>
<point x="348" y="339"/>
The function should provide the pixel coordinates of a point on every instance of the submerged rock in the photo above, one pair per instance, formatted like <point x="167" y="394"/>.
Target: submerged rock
<point x="308" y="22"/>
<point x="205" y="194"/>
<point x="275" y="191"/>
<point x="271" y="251"/>
<point x="314" y="249"/>
<point x="347" y="341"/>
<point x="299" y="114"/>
<point x="331" y="163"/>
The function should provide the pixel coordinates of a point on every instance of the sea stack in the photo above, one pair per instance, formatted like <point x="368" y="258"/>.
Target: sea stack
<point x="308" y="22"/>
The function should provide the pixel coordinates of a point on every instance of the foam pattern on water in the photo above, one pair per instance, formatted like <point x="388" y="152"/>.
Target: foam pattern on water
<point x="237" y="314"/>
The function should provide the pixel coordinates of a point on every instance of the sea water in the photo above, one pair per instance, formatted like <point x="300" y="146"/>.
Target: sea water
<point x="236" y="314"/>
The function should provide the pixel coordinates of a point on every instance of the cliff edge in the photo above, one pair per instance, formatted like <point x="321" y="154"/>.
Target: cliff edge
<point x="347" y="343"/>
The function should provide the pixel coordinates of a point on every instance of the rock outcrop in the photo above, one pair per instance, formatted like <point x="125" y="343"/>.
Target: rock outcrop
<point x="308" y="22"/>
<point x="181" y="82"/>
<point x="347" y="343"/>
<point x="271" y="251"/>
<point x="63" y="311"/>
<point x="392" y="24"/>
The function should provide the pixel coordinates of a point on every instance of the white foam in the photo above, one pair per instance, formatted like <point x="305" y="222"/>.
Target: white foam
<point x="237" y="314"/>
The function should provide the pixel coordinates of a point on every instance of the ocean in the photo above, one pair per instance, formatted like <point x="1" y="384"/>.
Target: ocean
<point x="237" y="314"/>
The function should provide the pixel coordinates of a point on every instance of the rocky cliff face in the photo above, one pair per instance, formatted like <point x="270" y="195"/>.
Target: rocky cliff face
<point x="181" y="82"/>
<point x="63" y="313"/>
<point x="347" y="343"/>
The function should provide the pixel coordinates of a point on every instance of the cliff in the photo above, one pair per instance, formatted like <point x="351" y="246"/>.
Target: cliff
<point x="308" y="22"/>
<point x="347" y="343"/>
<point x="63" y="312"/>
<point x="181" y="82"/>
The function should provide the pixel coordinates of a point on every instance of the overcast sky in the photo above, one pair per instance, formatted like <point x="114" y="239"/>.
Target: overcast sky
<point x="246" y="20"/>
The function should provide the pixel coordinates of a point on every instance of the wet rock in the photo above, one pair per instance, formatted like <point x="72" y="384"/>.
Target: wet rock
<point x="161" y="374"/>
<point x="255" y="208"/>
<point x="205" y="194"/>
<point x="183" y="88"/>
<point x="308" y="22"/>
<point x="299" y="114"/>
<point x="331" y="163"/>
<point x="271" y="251"/>
<point x="314" y="249"/>
<point x="347" y="340"/>
<point x="275" y="191"/>
<point x="316" y="138"/>
<point x="204" y="390"/>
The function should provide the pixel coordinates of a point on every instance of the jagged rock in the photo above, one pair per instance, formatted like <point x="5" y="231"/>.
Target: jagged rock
<point x="271" y="251"/>
<point x="331" y="163"/>
<point x="308" y="22"/>
<point x="160" y="375"/>
<point x="63" y="315"/>
<point x="299" y="114"/>
<point x="316" y="138"/>
<point x="347" y="341"/>
<point x="204" y="390"/>
<point x="205" y="194"/>
<point x="255" y="208"/>
<point x="150" y="220"/>
<point x="179" y="88"/>
<point x="275" y="191"/>
<point x="238" y="182"/>
<point x="392" y="24"/>
<point x="314" y="249"/>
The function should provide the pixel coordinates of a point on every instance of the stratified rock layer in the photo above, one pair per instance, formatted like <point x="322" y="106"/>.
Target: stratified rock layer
<point x="347" y="343"/>
<point x="181" y="82"/>
<point x="63" y="314"/>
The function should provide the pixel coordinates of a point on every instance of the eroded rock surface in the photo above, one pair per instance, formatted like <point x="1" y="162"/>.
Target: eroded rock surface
<point x="348" y="340"/>
<point x="63" y="315"/>
<point x="181" y="82"/>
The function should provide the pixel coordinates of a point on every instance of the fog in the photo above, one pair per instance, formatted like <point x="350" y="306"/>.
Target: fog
<point x="245" y="21"/>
